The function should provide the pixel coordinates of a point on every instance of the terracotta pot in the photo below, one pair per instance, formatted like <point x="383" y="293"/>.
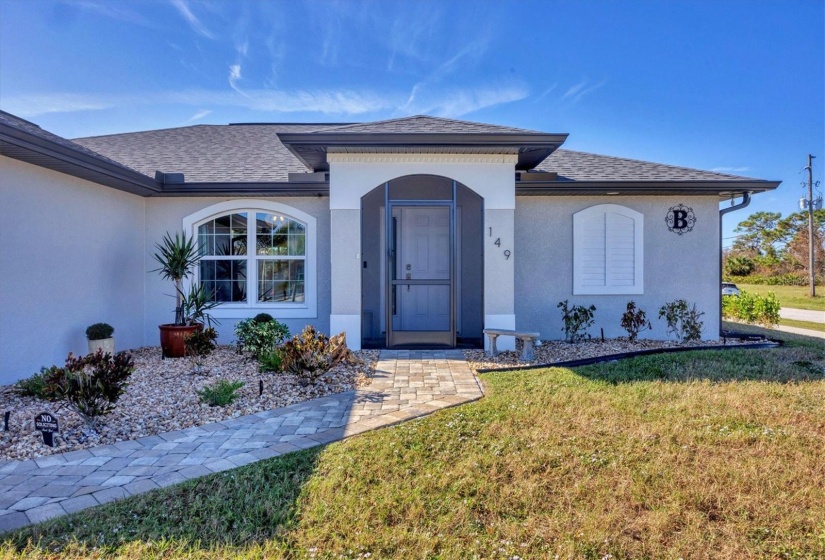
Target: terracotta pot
<point x="172" y="337"/>
<point x="107" y="344"/>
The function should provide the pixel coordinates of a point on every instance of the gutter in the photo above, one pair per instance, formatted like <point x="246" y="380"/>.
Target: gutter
<point x="746" y="199"/>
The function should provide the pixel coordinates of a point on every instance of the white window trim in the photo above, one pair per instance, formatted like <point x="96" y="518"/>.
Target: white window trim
<point x="308" y="309"/>
<point x="638" y="258"/>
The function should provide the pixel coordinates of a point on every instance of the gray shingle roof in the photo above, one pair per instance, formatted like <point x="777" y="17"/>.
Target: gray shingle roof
<point x="253" y="153"/>
<point x="26" y="126"/>
<point x="423" y="124"/>
<point x="583" y="166"/>
<point x="206" y="153"/>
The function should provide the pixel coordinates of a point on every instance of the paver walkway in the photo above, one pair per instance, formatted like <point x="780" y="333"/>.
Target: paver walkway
<point x="407" y="384"/>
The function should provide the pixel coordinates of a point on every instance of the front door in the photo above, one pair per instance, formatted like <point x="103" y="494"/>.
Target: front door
<point x="421" y="275"/>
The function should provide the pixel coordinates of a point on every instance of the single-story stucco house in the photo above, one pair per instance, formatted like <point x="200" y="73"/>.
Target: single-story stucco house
<point x="417" y="231"/>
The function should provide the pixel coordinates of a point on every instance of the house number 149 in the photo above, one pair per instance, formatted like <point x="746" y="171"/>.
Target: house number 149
<point x="497" y="243"/>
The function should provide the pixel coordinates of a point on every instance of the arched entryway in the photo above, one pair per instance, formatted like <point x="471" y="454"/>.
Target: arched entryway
<point x="423" y="264"/>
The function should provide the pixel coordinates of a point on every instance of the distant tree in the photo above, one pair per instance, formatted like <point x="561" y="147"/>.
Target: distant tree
<point x="759" y="234"/>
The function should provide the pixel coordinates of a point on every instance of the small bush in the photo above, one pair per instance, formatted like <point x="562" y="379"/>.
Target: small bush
<point x="91" y="384"/>
<point x="38" y="385"/>
<point x="259" y="337"/>
<point x="100" y="331"/>
<point x="682" y="320"/>
<point x="263" y="318"/>
<point x="752" y="308"/>
<point x="307" y="355"/>
<point x="201" y="342"/>
<point x="271" y="361"/>
<point x="220" y="393"/>
<point x="634" y="320"/>
<point x="577" y="320"/>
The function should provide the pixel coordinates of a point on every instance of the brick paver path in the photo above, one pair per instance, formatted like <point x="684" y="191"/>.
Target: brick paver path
<point x="407" y="384"/>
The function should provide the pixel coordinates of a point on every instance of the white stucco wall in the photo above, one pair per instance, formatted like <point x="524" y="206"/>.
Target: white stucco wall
<point x="675" y="266"/>
<point x="71" y="254"/>
<point x="167" y="214"/>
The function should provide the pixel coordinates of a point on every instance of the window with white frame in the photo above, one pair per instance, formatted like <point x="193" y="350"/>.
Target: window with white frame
<point x="608" y="251"/>
<point x="257" y="255"/>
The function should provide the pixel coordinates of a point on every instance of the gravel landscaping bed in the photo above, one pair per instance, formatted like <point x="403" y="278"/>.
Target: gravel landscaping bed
<point x="161" y="398"/>
<point x="559" y="351"/>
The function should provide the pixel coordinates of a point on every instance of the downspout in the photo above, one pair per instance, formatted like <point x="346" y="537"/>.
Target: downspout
<point x="746" y="199"/>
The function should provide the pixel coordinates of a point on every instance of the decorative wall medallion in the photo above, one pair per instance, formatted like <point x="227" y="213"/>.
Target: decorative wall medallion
<point x="680" y="219"/>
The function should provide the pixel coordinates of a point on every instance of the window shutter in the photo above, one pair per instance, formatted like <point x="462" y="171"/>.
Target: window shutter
<point x="607" y="250"/>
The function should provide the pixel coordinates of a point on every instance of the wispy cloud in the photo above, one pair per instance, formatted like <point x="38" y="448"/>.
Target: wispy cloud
<point x="116" y="10"/>
<point x="576" y="92"/>
<point x="234" y="77"/>
<point x="191" y="19"/>
<point x="546" y="92"/>
<point x="730" y="169"/>
<point x="199" y="115"/>
<point x="327" y="102"/>
<point x="462" y="101"/>
<point x="44" y="104"/>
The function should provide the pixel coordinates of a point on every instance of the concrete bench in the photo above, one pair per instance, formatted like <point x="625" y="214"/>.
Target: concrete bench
<point x="528" y="339"/>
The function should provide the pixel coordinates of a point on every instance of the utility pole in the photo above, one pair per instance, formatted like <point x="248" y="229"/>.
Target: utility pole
<point x="811" y="269"/>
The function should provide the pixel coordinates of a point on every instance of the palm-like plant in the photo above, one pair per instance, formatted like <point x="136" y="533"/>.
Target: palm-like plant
<point x="178" y="257"/>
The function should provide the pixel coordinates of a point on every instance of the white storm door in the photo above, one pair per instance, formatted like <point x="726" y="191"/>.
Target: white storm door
<point x="424" y="255"/>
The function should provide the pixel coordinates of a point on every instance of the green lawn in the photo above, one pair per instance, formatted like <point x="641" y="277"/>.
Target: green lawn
<point x="791" y="296"/>
<point x="717" y="454"/>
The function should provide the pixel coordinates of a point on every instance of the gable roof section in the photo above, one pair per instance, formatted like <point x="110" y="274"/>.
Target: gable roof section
<point x="422" y="134"/>
<point x="25" y="141"/>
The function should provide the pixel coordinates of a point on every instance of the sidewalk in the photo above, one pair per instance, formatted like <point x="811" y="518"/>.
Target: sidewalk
<point x="407" y="384"/>
<point x="809" y="315"/>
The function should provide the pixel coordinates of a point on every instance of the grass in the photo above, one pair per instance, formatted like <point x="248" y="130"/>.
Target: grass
<point x="717" y="454"/>
<point x="791" y="296"/>
<point x="803" y="325"/>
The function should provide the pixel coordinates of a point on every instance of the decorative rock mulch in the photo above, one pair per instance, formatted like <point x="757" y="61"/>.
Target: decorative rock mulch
<point x="552" y="351"/>
<point x="161" y="398"/>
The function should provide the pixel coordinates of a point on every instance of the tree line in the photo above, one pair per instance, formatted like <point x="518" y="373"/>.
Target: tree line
<point x="770" y="249"/>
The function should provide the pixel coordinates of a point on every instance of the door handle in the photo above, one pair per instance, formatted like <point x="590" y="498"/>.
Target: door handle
<point x="409" y="277"/>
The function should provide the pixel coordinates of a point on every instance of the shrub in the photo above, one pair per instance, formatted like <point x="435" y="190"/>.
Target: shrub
<point x="752" y="308"/>
<point x="220" y="393"/>
<point x="91" y="384"/>
<point x="263" y="318"/>
<point x="634" y="320"/>
<point x="307" y="355"/>
<point x="739" y="265"/>
<point x="201" y="342"/>
<point x="577" y="320"/>
<point x="682" y="320"/>
<point x="271" y="360"/>
<point x="790" y="279"/>
<point x="100" y="331"/>
<point x="38" y="385"/>
<point x="258" y="337"/>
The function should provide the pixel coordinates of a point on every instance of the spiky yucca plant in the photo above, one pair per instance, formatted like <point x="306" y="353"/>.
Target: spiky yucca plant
<point x="178" y="257"/>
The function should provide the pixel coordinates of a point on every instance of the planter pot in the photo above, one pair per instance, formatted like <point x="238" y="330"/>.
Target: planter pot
<point x="172" y="337"/>
<point x="107" y="344"/>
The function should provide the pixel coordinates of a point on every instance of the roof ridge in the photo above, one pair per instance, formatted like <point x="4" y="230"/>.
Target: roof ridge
<point x="668" y="165"/>
<point x="343" y="128"/>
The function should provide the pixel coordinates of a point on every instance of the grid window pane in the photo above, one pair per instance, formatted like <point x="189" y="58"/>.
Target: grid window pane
<point x="279" y="235"/>
<point x="223" y="236"/>
<point x="225" y="279"/>
<point x="281" y="281"/>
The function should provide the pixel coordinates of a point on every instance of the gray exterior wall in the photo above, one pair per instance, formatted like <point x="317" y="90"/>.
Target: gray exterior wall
<point x="675" y="266"/>
<point x="166" y="214"/>
<point x="71" y="254"/>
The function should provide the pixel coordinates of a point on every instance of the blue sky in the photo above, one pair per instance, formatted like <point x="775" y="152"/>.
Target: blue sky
<point x="733" y="86"/>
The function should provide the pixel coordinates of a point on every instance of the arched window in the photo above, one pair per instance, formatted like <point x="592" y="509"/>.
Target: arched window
<point x="257" y="256"/>
<point x="608" y="251"/>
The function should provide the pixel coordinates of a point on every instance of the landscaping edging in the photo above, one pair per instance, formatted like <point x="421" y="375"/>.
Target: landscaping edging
<point x="624" y="355"/>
